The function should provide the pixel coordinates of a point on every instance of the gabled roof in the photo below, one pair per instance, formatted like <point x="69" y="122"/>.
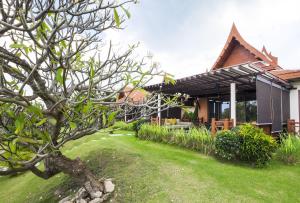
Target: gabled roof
<point x="235" y="40"/>
<point x="131" y="95"/>
<point x="290" y="75"/>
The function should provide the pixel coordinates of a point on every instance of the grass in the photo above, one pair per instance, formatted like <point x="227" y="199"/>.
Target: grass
<point x="289" y="150"/>
<point x="151" y="172"/>
<point x="198" y="139"/>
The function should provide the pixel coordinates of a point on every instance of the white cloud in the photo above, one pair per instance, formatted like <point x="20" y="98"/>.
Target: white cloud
<point x="186" y="38"/>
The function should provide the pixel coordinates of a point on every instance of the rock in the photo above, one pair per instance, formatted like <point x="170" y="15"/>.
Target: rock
<point x="88" y="187"/>
<point x="97" y="194"/>
<point x="81" y="201"/>
<point x="108" y="186"/>
<point x="96" y="200"/>
<point x="58" y="193"/>
<point x="105" y="196"/>
<point x="67" y="199"/>
<point x="81" y="194"/>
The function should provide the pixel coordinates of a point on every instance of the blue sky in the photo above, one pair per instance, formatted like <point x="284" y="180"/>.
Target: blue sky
<point x="187" y="36"/>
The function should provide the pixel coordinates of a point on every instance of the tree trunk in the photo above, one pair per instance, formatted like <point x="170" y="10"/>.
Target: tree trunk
<point x="76" y="169"/>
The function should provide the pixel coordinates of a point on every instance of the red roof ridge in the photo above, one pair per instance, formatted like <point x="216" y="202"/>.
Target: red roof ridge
<point x="234" y="34"/>
<point x="269" y="55"/>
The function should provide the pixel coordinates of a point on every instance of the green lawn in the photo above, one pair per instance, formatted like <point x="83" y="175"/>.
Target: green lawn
<point x="150" y="172"/>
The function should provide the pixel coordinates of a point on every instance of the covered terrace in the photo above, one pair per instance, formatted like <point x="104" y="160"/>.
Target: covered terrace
<point x="241" y="93"/>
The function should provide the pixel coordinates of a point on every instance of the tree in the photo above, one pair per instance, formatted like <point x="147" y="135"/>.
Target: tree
<point x="57" y="80"/>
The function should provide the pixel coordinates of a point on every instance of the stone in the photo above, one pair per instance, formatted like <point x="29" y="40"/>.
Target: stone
<point x="82" y="193"/>
<point x="58" y="193"/>
<point x="88" y="187"/>
<point x="108" y="186"/>
<point x="105" y="196"/>
<point x="67" y="199"/>
<point x="96" y="200"/>
<point x="96" y="194"/>
<point x="81" y="201"/>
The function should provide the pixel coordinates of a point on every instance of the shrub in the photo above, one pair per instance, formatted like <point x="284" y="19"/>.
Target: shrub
<point x="228" y="144"/>
<point x="136" y="125"/>
<point x="245" y="143"/>
<point x="200" y="139"/>
<point x="289" y="150"/>
<point x="153" y="133"/>
<point x="195" y="139"/>
<point x="121" y="125"/>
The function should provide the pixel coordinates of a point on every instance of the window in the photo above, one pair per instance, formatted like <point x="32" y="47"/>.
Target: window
<point x="251" y="111"/>
<point x="246" y="111"/>
<point x="225" y="110"/>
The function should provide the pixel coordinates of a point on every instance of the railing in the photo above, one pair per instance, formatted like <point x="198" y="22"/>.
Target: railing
<point x="293" y="126"/>
<point x="155" y="121"/>
<point x="225" y="124"/>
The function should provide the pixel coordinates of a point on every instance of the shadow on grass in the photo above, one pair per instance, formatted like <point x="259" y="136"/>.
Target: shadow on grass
<point x="104" y="163"/>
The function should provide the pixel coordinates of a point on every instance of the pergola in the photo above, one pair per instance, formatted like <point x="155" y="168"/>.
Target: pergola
<point x="239" y="78"/>
<point x="218" y="81"/>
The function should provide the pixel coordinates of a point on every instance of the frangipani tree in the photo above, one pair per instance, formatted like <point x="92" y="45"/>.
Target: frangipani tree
<point x="56" y="80"/>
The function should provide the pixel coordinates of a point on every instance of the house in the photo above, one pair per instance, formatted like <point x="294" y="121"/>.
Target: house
<point x="132" y="97"/>
<point x="244" y="85"/>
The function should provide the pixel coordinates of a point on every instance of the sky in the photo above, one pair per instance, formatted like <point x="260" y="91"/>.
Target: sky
<point x="186" y="37"/>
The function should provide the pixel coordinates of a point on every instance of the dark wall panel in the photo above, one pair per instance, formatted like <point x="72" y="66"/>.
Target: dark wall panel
<point x="263" y="97"/>
<point x="276" y="107"/>
<point x="171" y="113"/>
<point x="285" y="106"/>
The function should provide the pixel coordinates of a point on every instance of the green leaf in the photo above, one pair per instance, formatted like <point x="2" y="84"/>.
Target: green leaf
<point x="92" y="69"/>
<point x="44" y="135"/>
<point x="63" y="44"/>
<point x="44" y="120"/>
<point x="10" y="113"/>
<point x="20" y="123"/>
<point x="104" y="119"/>
<point x="36" y="110"/>
<point x="126" y="12"/>
<point x="44" y="27"/>
<point x="29" y="140"/>
<point x="135" y="82"/>
<point x="117" y="18"/>
<point x="87" y="107"/>
<point x="13" y="145"/>
<point x="111" y="117"/>
<point x="59" y="76"/>
<point x="17" y="46"/>
<point x="18" y="54"/>
<point x="52" y="121"/>
<point x="21" y="46"/>
<point x="168" y="79"/>
<point x="27" y="50"/>
<point x="73" y="125"/>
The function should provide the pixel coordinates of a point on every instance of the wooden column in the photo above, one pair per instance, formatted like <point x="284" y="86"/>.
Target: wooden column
<point x="291" y="126"/>
<point x="226" y="124"/>
<point x="213" y="126"/>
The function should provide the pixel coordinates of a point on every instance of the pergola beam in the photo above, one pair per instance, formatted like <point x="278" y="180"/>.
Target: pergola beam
<point x="242" y="75"/>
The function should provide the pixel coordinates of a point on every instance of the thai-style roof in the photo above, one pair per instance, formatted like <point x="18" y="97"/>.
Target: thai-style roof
<point x="239" y="62"/>
<point x="237" y="51"/>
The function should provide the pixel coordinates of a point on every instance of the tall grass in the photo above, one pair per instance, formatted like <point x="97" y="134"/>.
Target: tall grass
<point x="198" y="139"/>
<point x="121" y="125"/>
<point x="289" y="150"/>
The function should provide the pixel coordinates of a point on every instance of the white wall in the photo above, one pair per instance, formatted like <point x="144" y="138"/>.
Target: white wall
<point x="294" y="103"/>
